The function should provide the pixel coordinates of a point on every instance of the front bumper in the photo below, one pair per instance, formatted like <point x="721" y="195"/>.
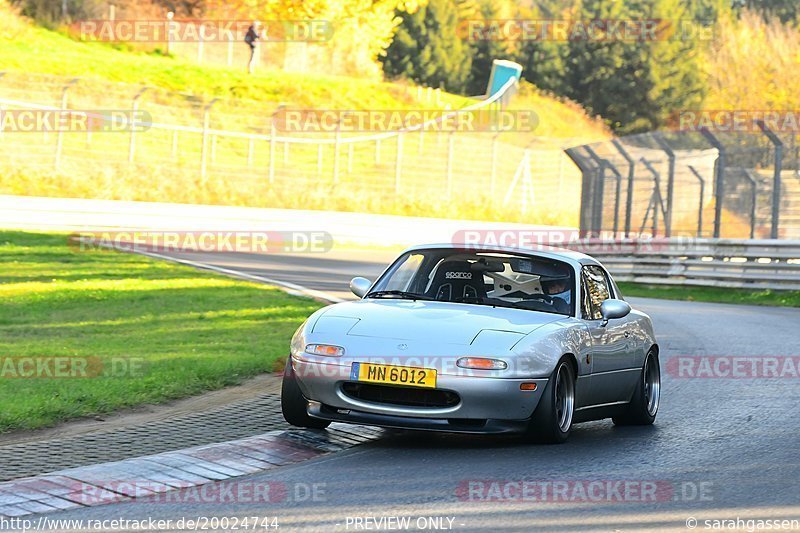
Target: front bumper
<point x="485" y="405"/>
<point x="451" y="425"/>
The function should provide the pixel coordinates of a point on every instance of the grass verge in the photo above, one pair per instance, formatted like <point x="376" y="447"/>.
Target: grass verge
<point x="713" y="294"/>
<point x="159" y="331"/>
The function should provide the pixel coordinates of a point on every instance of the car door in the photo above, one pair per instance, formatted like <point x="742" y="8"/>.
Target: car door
<point x="612" y="360"/>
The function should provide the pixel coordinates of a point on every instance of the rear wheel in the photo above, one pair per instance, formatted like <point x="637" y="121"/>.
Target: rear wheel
<point x="552" y="421"/>
<point x="294" y="405"/>
<point x="644" y="405"/>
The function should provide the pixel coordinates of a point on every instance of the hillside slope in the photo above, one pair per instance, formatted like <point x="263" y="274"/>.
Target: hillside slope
<point x="39" y="63"/>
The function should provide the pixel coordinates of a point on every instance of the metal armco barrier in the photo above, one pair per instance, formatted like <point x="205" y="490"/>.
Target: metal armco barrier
<point x="752" y="264"/>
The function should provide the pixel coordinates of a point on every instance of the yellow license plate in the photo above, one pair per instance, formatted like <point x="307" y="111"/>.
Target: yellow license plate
<point x="394" y="375"/>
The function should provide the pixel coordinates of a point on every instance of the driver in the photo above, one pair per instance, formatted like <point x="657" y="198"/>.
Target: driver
<point x="557" y="288"/>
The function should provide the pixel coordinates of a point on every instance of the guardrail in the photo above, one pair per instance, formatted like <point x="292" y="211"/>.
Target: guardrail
<point x="751" y="264"/>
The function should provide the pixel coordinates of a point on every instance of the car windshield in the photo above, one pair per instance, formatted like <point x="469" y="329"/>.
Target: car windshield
<point x="480" y="278"/>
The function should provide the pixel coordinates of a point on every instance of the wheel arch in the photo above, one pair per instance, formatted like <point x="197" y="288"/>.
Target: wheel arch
<point x="573" y="360"/>
<point x="654" y="348"/>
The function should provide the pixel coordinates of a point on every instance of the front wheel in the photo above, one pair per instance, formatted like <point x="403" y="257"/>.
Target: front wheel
<point x="644" y="405"/>
<point x="294" y="405"/>
<point x="552" y="421"/>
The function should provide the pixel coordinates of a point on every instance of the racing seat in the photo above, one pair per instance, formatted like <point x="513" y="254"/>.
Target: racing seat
<point x="455" y="280"/>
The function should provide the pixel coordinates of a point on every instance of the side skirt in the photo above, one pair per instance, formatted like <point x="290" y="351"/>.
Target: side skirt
<point x="599" y="412"/>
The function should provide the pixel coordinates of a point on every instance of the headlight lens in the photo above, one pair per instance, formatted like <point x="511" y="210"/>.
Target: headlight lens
<point x="325" y="349"/>
<point x="481" y="363"/>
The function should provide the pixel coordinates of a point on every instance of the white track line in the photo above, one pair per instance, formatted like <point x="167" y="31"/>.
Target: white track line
<point x="291" y="288"/>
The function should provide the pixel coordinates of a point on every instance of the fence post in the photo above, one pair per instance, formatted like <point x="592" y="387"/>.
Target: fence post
<point x="670" y="182"/>
<point x="175" y="144"/>
<point x="170" y="26"/>
<point x="60" y="135"/>
<point x="603" y="164"/>
<point x="589" y="172"/>
<point x="702" y="195"/>
<point x="776" y="180"/>
<point x="719" y="179"/>
<point x="350" y="148"/>
<point x="493" y="173"/>
<point x="655" y="201"/>
<point x="272" y="135"/>
<point x="200" y="47"/>
<point x="337" y="141"/>
<point x="398" y="163"/>
<point x="132" y="122"/>
<point x="450" y="164"/>
<point x="629" y="193"/>
<point x="204" y="145"/>
<point x="753" y="201"/>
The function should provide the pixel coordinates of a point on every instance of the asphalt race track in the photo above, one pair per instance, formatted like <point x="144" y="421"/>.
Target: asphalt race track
<point x="722" y="448"/>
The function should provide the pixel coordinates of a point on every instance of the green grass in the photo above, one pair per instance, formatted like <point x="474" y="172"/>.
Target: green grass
<point x="189" y="330"/>
<point x="714" y="294"/>
<point x="26" y="48"/>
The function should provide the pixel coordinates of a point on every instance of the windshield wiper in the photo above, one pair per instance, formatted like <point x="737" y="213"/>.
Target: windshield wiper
<point x="399" y="294"/>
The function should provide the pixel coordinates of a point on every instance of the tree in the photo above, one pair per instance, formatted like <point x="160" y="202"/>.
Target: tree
<point x="634" y="84"/>
<point x="785" y="10"/>
<point x="486" y="50"/>
<point x="428" y="48"/>
<point x="542" y="60"/>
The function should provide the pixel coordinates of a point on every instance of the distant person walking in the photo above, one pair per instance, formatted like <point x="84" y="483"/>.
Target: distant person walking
<point x="251" y="38"/>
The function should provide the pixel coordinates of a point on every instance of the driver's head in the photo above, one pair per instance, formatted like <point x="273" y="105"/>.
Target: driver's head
<point x="554" y="286"/>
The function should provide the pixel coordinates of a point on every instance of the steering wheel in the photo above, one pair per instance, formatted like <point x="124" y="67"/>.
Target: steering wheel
<point x="542" y="296"/>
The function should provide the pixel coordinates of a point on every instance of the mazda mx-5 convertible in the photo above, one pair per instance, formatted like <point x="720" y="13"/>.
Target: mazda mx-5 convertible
<point x="477" y="340"/>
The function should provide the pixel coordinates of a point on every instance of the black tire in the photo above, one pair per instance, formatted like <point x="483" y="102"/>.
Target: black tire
<point x="294" y="405"/>
<point x="549" y="424"/>
<point x="643" y="408"/>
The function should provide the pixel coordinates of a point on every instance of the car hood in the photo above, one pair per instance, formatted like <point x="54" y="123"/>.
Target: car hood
<point x="431" y="322"/>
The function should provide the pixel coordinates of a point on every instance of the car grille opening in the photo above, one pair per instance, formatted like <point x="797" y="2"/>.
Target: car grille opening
<point x="406" y="396"/>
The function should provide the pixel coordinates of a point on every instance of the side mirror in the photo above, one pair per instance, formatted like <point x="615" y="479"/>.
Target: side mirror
<point x="360" y="286"/>
<point x="612" y="308"/>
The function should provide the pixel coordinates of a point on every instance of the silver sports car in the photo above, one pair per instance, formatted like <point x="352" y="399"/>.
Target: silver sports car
<point x="468" y="339"/>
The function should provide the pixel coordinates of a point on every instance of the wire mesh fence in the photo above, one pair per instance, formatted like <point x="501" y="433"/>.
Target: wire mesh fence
<point x="203" y="150"/>
<point x="734" y="184"/>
